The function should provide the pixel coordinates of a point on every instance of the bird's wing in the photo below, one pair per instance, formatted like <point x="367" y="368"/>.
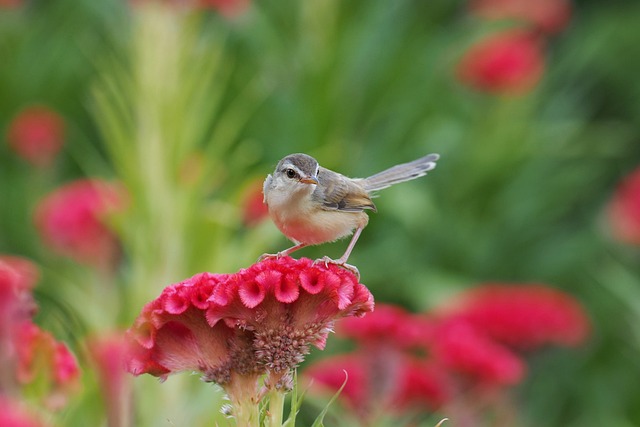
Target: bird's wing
<point x="337" y="192"/>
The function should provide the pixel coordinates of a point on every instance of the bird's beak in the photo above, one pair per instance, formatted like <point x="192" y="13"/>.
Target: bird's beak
<point x="310" y="180"/>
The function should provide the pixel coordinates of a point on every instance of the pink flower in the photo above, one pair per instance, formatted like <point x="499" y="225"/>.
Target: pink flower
<point x="43" y="360"/>
<point x="524" y="316"/>
<point x="509" y="62"/>
<point x="388" y="323"/>
<point x="254" y="210"/>
<point x="37" y="134"/>
<point x="228" y="8"/>
<point x="17" y="278"/>
<point x="550" y="16"/>
<point x="13" y="414"/>
<point x="624" y="210"/>
<point x="108" y="354"/>
<point x="461" y="348"/>
<point x="384" y="372"/>
<point x="71" y="221"/>
<point x="376" y="384"/>
<point x="236" y="327"/>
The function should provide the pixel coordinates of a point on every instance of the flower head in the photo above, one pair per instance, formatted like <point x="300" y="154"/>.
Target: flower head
<point x="624" y="210"/>
<point x="71" y="221"/>
<point x="463" y="349"/>
<point x="108" y="352"/>
<point x="550" y="16"/>
<point x="254" y="210"/>
<point x="48" y="362"/>
<point x="37" y="135"/>
<point x="260" y="320"/>
<point x="13" y="414"/>
<point x="509" y="62"/>
<point x="388" y="324"/>
<point x="17" y="278"/>
<point x="374" y="384"/>
<point x="522" y="317"/>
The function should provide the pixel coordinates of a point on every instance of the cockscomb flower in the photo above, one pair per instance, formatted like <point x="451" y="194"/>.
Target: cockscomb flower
<point x="107" y="353"/>
<point x="71" y="221"/>
<point x="15" y="414"/>
<point x="374" y="386"/>
<point x="624" y="210"/>
<point x="254" y="210"/>
<point x="17" y="278"/>
<point x="228" y="8"/>
<point x="37" y="134"/>
<point x="388" y="324"/>
<point x="233" y="328"/>
<point x="46" y="365"/>
<point x="509" y="62"/>
<point x="523" y="316"/>
<point x="461" y="348"/>
<point x="550" y="16"/>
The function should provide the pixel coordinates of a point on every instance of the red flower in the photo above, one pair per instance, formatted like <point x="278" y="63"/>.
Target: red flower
<point x="523" y="317"/>
<point x="13" y="414"/>
<point x="550" y="16"/>
<point x="464" y="349"/>
<point x="388" y="323"/>
<point x="108" y="355"/>
<point x="254" y="210"/>
<point x="36" y="134"/>
<point x="70" y="221"/>
<point x="509" y="62"/>
<point x="43" y="360"/>
<point x="232" y="326"/>
<point x="17" y="278"/>
<point x="228" y="8"/>
<point x="624" y="210"/>
<point x="380" y="382"/>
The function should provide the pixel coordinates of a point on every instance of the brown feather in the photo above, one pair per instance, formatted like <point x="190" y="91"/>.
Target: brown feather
<point x="336" y="192"/>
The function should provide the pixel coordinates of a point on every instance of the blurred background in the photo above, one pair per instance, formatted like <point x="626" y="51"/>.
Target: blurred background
<point x="178" y="110"/>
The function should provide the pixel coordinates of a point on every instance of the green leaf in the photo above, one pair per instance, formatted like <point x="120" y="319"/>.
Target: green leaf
<point x="319" y="421"/>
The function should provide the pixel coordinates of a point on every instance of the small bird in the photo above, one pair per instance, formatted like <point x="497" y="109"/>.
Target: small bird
<point x="313" y="205"/>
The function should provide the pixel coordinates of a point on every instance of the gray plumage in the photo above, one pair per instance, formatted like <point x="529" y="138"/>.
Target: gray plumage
<point x="400" y="173"/>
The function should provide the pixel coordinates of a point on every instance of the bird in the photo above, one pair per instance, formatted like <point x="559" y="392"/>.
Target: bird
<point x="312" y="205"/>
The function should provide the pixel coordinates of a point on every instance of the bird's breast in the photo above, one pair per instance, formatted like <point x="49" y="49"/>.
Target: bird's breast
<point x="305" y="222"/>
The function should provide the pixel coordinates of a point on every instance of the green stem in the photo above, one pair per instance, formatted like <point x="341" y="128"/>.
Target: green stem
<point x="276" y="408"/>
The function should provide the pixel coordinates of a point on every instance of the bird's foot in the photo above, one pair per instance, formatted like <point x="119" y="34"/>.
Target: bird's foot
<point x="340" y="263"/>
<point x="264" y="257"/>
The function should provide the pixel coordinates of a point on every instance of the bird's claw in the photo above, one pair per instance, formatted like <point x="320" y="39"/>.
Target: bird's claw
<point x="326" y="260"/>
<point x="264" y="257"/>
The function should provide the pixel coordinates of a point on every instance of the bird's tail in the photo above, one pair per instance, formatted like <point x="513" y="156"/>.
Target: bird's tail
<point x="401" y="173"/>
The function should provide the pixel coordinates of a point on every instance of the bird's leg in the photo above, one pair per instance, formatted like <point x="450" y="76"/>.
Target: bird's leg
<point x="342" y="261"/>
<point x="280" y="254"/>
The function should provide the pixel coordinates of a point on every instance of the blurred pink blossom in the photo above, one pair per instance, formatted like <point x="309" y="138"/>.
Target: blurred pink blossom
<point x="37" y="134"/>
<point x="377" y="384"/>
<point x="48" y="362"/>
<point x="17" y="278"/>
<point x="624" y="210"/>
<point x="228" y="8"/>
<point x="70" y="221"/>
<point x="550" y="16"/>
<point x="463" y="349"/>
<point x="509" y="62"/>
<point x="522" y="316"/>
<point x="254" y="210"/>
<point x="108" y="352"/>
<point x="14" y="414"/>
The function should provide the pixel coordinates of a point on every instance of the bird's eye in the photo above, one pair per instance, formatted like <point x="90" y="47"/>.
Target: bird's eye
<point x="290" y="173"/>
